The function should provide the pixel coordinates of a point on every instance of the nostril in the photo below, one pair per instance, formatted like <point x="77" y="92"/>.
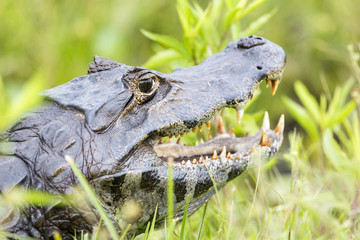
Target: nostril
<point x="250" y="41"/>
<point x="259" y="67"/>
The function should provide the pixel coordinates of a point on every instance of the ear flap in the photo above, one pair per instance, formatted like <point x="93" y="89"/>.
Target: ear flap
<point x="100" y="96"/>
<point x="102" y="64"/>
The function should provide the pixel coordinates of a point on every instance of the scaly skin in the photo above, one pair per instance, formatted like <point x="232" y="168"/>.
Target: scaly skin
<point x="110" y="122"/>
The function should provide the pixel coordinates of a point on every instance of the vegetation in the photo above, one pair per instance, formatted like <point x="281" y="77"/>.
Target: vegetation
<point x="310" y="191"/>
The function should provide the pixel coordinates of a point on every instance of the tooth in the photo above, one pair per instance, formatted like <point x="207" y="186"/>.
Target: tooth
<point x="266" y="121"/>
<point x="209" y="135"/>
<point x="201" y="159"/>
<point x="263" y="140"/>
<point x="200" y="127"/>
<point x="215" y="155"/>
<point x="206" y="159"/>
<point x="252" y="149"/>
<point x="208" y="124"/>
<point x="269" y="143"/>
<point x="267" y="83"/>
<point x="239" y="115"/>
<point x="280" y="126"/>
<point x="201" y="141"/>
<point x="229" y="156"/>
<point x="194" y="161"/>
<point x="160" y="141"/>
<point x="233" y="132"/>
<point x="183" y="162"/>
<point x="223" y="153"/>
<point x="221" y="128"/>
<point x="178" y="141"/>
<point x="275" y="84"/>
<point x="237" y="158"/>
<point x="194" y="130"/>
<point x="188" y="161"/>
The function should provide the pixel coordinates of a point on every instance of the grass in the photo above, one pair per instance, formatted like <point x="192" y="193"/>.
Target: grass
<point x="310" y="191"/>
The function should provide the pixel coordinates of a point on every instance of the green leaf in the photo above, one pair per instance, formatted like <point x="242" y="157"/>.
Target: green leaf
<point x="258" y="23"/>
<point x="166" y="41"/>
<point x="344" y="112"/>
<point x="308" y="100"/>
<point x="333" y="151"/>
<point x="162" y="58"/>
<point x="302" y="117"/>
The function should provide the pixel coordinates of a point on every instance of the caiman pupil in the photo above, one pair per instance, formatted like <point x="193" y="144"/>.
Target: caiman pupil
<point x="146" y="85"/>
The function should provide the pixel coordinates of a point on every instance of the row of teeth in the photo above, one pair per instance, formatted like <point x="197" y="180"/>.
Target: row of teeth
<point x="264" y="141"/>
<point x="239" y="114"/>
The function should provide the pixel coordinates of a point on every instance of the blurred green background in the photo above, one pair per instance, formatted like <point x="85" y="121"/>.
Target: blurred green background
<point x="49" y="42"/>
<point x="44" y="43"/>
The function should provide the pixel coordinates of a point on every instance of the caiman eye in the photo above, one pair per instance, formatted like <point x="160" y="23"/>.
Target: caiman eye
<point x="146" y="85"/>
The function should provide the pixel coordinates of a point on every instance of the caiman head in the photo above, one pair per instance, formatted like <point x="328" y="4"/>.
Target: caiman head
<point x="129" y="109"/>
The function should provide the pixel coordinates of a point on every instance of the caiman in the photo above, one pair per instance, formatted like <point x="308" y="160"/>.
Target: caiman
<point x="111" y="122"/>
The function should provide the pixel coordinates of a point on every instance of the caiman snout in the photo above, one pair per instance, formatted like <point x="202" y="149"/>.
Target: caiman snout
<point x="250" y="41"/>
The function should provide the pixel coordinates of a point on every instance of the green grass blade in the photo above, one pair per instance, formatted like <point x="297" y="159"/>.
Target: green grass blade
<point x="183" y="222"/>
<point x="92" y="196"/>
<point x="124" y="233"/>
<point x="202" y="222"/>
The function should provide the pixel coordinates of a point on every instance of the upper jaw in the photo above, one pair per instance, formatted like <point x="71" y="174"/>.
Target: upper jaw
<point x="226" y="79"/>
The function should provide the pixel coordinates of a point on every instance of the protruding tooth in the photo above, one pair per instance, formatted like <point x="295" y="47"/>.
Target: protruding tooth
<point x="178" y="141"/>
<point x="194" y="161"/>
<point x="208" y="124"/>
<point x="209" y="135"/>
<point x="188" y="161"/>
<point x="233" y="132"/>
<point x="267" y="83"/>
<point x="183" y="162"/>
<point x="252" y="149"/>
<point x="221" y="128"/>
<point x="201" y="159"/>
<point x="200" y="127"/>
<point x="237" y="158"/>
<point x="206" y="159"/>
<point x="223" y="153"/>
<point x="263" y="140"/>
<point x="269" y="143"/>
<point x="275" y="84"/>
<point x="229" y="156"/>
<point x="280" y="126"/>
<point x="239" y="115"/>
<point x="215" y="156"/>
<point x="160" y="141"/>
<point x="266" y="121"/>
<point x="194" y="130"/>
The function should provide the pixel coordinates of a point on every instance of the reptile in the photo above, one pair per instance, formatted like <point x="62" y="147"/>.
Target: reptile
<point x="110" y="122"/>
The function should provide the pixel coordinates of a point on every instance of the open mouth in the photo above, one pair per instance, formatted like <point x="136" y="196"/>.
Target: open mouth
<point x="224" y="145"/>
